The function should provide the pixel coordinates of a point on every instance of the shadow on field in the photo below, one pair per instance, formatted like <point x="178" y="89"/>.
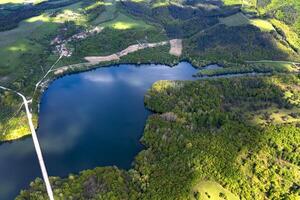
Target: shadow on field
<point x="206" y="37"/>
<point x="13" y="13"/>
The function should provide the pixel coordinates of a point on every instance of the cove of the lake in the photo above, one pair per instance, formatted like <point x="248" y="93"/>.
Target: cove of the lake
<point x="90" y="119"/>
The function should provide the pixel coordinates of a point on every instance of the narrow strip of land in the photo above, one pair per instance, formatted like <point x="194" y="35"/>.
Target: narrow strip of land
<point x="116" y="56"/>
<point x="273" y="61"/>
<point x="35" y="142"/>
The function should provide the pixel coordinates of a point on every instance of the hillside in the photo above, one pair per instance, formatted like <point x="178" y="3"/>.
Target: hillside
<point x="235" y="138"/>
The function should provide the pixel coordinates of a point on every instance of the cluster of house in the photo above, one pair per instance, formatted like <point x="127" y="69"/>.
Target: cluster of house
<point x="61" y="44"/>
<point x="63" y="50"/>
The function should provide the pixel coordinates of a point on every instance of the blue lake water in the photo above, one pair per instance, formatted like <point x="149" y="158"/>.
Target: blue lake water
<point x="89" y="119"/>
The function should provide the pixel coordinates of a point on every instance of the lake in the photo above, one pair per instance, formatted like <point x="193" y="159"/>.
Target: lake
<point x="90" y="119"/>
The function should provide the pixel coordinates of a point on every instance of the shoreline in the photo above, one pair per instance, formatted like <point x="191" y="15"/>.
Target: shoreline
<point x="36" y="100"/>
<point x="174" y="57"/>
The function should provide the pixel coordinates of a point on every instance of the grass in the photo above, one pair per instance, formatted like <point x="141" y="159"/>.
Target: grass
<point x="23" y="40"/>
<point x="26" y="29"/>
<point x="232" y="2"/>
<point x="240" y="2"/>
<point x="124" y="22"/>
<point x="160" y="4"/>
<point x="263" y="25"/>
<point x="285" y="11"/>
<point x="73" y="13"/>
<point x="275" y="116"/>
<point x="240" y="19"/>
<point x="17" y="127"/>
<point x="36" y="27"/>
<point x="10" y="55"/>
<point x="210" y="190"/>
<point x="290" y="35"/>
<point x="109" y="14"/>
<point x="14" y="124"/>
<point x="20" y="1"/>
<point x="139" y="1"/>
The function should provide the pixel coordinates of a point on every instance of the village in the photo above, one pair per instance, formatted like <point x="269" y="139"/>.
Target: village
<point x="61" y="44"/>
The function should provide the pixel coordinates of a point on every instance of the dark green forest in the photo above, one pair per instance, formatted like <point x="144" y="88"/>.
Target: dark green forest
<point x="204" y="131"/>
<point x="238" y="134"/>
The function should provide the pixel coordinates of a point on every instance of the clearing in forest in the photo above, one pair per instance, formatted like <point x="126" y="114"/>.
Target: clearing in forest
<point x="207" y="190"/>
<point x="240" y="19"/>
<point x="176" y="47"/>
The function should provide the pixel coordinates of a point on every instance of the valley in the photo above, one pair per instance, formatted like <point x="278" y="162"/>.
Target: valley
<point x="227" y="132"/>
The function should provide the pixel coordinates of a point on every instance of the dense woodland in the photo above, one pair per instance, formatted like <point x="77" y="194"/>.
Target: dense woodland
<point x="234" y="44"/>
<point x="203" y="130"/>
<point x="179" y="21"/>
<point x="207" y="39"/>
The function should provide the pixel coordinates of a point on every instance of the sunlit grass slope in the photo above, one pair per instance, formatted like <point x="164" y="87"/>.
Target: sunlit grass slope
<point x="240" y="19"/>
<point x="20" y="1"/>
<point x="123" y="22"/>
<point x="207" y="190"/>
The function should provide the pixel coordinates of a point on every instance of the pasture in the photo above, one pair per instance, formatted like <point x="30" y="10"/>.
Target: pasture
<point x="207" y="190"/>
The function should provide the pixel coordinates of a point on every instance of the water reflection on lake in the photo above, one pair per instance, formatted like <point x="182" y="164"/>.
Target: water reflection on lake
<point x="89" y="119"/>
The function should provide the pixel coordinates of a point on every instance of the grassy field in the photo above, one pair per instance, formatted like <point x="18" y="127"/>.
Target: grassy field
<point x="11" y="54"/>
<point x="35" y="25"/>
<point x="20" y="1"/>
<point x="207" y="190"/>
<point x="292" y="37"/>
<point x="109" y="14"/>
<point x="123" y="22"/>
<point x="240" y="19"/>
<point x="30" y="33"/>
